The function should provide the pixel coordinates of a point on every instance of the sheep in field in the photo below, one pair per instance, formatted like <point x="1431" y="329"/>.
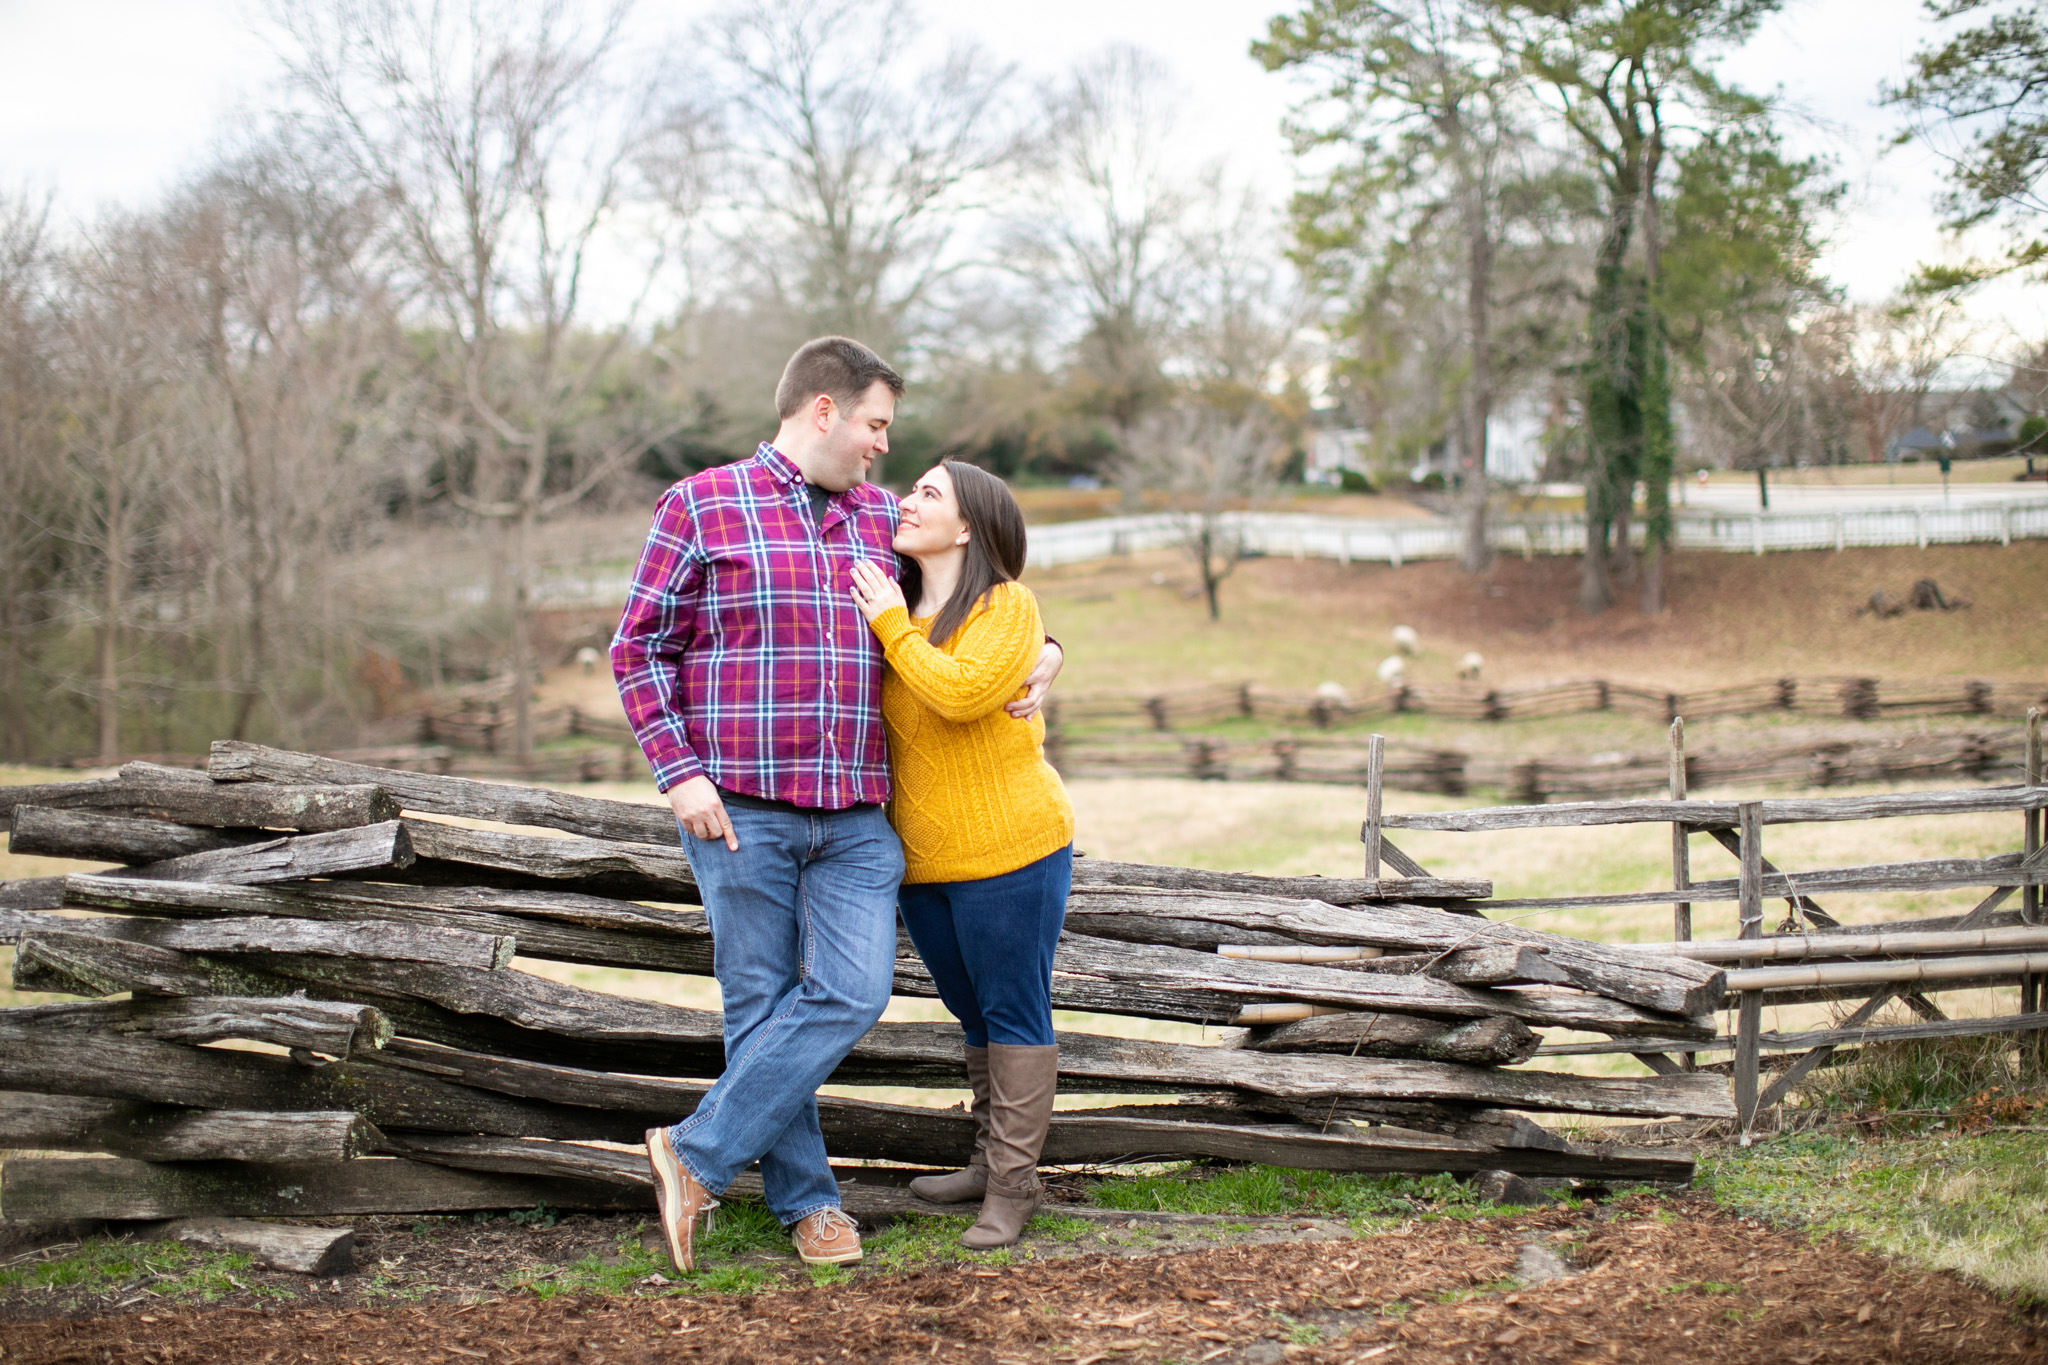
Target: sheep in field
<point x="1334" y="693"/>
<point x="1468" y="667"/>
<point x="1393" y="670"/>
<point x="1406" y="640"/>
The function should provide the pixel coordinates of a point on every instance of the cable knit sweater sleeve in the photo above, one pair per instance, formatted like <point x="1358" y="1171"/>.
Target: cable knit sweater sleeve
<point x="990" y="656"/>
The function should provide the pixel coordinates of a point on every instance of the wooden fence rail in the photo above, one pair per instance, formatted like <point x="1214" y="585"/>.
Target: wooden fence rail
<point x="1857" y="698"/>
<point x="1988" y="756"/>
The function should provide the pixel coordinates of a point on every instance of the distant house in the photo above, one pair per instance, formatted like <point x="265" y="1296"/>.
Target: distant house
<point x="1962" y="422"/>
<point x="1514" y="449"/>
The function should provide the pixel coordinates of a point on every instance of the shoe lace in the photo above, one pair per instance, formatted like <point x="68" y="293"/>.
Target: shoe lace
<point x="825" y="1221"/>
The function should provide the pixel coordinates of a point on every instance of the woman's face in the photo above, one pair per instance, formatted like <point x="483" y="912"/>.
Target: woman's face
<point x="931" y="523"/>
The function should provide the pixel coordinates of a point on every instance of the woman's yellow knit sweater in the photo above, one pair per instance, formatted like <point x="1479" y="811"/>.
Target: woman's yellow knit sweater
<point x="974" y="796"/>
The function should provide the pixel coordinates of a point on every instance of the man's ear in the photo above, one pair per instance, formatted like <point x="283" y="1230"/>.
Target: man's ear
<point x="823" y="409"/>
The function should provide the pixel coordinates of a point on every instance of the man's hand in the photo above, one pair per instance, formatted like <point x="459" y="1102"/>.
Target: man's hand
<point x="698" y="810"/>
<point x="1039" y="683"/>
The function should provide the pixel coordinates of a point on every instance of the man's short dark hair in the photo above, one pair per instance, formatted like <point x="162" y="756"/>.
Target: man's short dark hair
<point x="839" y="367"/>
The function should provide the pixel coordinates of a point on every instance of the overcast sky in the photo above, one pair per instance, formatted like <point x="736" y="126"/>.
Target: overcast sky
<point x="109" y="101"/>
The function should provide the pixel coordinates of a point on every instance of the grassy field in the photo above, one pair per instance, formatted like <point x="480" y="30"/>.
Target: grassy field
<point x="1139" y="624"/>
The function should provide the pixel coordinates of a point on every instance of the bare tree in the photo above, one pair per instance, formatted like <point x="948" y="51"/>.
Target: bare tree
<point x="504" y="144"/>
<point x="1105" y="219"/>
<point x="30" y="496"/>
<point x="290" y="312"/>
<point x="853" y="174"/>
<point x="123" y="376"/>
<point x="1216" y="444"/>
<point x="1898" y="353"/>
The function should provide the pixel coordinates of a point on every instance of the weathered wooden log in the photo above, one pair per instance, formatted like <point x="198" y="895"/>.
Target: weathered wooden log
<point x="1484" y="964"/>
<point x="1968" y="967"/>
<point x="1286" y="951"/>
<point x="1722" y="814"/>
<point x="606" y="867"/>
<point x="1483" y="1042"/>
<point x="1218" y="917"/>
<point x="50" y="832"/>
<point x="113" y="1187"/>
<point x="146" y="1132"/>
<point x="383" y="848"/>
<point x="523" y="1156"/>
<point x="1089" y="974"/>
<point x="234" y="761"/>
<point x="1880" y="940"/>
<point x="1498" y="964"/>
<point x="54" y="1049"/>
<point x="1094" y="873"/>
<point x="1174" y="983"/>
<point x="1833" y="1037"/>
<point x="70" y="963"/>
<point x="32" y="893"/>
<point x="563" y="926"/>
<point x="274" y="1246"/>
<point x="309" y="809"/>
<point x="50" y="794"/>
<point x="447" y="947"/>
<point x="338" y="1029"/>
<point x="1935" y="874"/>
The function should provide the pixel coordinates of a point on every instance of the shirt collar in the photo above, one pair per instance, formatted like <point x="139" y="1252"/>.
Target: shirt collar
<point x="778" y="465"/>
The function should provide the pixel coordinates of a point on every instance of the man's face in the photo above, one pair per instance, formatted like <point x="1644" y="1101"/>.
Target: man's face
<point x="857" y="437"/>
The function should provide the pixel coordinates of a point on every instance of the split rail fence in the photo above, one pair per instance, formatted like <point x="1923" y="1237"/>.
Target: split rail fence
<point x="1854" y="698"/>
<point x="327" y="1010"/>
<point x="1810" y="956"/>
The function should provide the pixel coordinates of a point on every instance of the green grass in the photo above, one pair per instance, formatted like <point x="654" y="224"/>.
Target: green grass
<point x="170" y="1270"/>
<point x="1267" y="1191"/>
<point x="729" y="1261"/>
<point x="1977" y="1205"/>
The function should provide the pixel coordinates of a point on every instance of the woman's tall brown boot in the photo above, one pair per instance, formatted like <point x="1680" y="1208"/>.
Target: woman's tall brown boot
<point x="963" y="1185"/>
<point x="1022" y="1083"/>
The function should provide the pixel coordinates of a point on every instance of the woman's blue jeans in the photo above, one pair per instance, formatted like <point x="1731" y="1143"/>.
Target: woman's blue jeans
<point x="989" y="944"/>
<point x="803" y="924"/>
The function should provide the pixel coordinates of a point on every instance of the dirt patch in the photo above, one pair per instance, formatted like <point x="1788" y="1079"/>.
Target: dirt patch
<point x="1647" y="1281"/>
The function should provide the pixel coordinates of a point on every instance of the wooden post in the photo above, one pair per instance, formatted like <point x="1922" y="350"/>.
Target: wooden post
<point x="1681" y="856"/>
<point x="1681" y="850"/>
<point x="1750" y="1010"/>
<point x="2030" y="896"/>
<point x="1375" y="772"/>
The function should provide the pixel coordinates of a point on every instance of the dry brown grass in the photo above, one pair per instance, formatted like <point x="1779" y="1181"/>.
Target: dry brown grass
<point x="1732" y="618"/>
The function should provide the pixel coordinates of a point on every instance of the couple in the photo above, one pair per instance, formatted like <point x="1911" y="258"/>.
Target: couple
<point x="785" y="617"/>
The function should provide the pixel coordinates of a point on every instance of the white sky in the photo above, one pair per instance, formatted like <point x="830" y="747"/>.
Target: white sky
<point x="109" y="101"/>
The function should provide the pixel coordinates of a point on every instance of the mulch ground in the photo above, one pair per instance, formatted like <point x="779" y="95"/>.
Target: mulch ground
<point x="1649" y="1281"/>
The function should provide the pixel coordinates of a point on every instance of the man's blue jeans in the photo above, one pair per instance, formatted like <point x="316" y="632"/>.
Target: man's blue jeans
<point x="803" y="923"/>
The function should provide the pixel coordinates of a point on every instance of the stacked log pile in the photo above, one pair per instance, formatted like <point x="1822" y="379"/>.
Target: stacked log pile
<point x="323" y="1013"/>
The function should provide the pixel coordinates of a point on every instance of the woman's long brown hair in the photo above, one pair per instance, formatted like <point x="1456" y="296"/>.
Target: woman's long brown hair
<point x="995" y="546"/>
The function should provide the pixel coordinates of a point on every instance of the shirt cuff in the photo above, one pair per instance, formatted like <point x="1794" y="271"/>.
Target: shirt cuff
<point x="675" y="769"/>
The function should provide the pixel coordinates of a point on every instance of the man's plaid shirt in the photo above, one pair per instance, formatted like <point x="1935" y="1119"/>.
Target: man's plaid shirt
<point x="741" y="655"/>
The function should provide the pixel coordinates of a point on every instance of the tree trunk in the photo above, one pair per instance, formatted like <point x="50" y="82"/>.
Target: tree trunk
<point x="522" y="635"/>
<point x="1476" y="554"/>
<point x="109" y="632"/>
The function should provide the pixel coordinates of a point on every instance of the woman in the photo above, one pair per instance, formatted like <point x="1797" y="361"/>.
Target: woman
<point x="987" y="830"/>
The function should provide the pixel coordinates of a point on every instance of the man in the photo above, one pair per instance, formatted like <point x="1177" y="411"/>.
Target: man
<point x="754" y="686"/>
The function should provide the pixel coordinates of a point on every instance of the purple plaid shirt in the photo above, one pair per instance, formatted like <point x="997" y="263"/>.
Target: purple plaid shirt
<point x="741" y="656"/>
